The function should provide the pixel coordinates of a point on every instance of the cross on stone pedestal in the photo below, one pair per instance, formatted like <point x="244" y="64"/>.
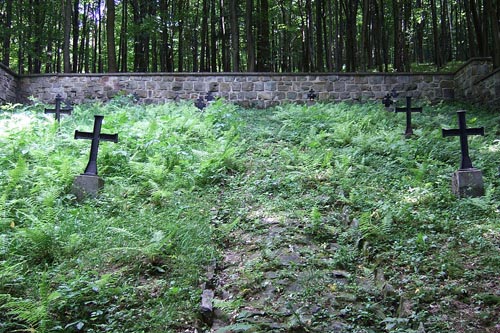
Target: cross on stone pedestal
<point x="96" y="137"/>
<point x="408" y="109"/>
<point x="463" y="132"/>
<point x="58" y="110"/>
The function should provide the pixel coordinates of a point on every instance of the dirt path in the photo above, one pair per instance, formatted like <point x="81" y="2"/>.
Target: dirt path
<point x="273" y="277"/>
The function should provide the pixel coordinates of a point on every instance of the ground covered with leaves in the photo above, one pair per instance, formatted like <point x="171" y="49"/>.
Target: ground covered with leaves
<point x="318" y="219"/>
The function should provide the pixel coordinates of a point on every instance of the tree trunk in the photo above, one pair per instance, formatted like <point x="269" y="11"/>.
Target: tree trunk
<point x="76" y="28"/>
<point x="419" y="41"/>
<point x="435" y="35"/>
<point x="494" y="13"/>
<point x="213" y="37"/>
<point x="110" y="36"/>
<point x="249" y="36"/>
<point x="204" y="53"/>
<point x="263" y="42"/>
<point x="235" y="35"/>
<point x="7" y="30"/>
<point x="320" y="46"/>
<point x="67" y="35"/>
<point x="142" y="36"/>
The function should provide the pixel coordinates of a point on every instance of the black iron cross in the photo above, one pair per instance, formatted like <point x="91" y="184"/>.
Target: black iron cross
<point x="58" y="109"/>
<point x="200" y="103"/>
<point x="95" y="136"/>
<point x="408" y="109"/>
<point x="312" y="95"/>
<point x="463" y="132"/>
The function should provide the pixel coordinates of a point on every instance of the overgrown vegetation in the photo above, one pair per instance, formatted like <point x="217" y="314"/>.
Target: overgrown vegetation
<point x="131" y="260"/>
<point x="182" y="186"/>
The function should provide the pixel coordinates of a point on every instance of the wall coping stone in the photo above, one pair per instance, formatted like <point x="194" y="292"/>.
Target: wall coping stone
<point x="486" y="77"/>
<point x="238" y="74"/>
<point x="8" y="70"/>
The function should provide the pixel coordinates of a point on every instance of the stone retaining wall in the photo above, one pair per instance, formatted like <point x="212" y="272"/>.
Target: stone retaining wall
<point x="8" y="85"/>
<point x="487" y="90"/>
<point x="255" y="89"/>
<point x="472" y="82"/>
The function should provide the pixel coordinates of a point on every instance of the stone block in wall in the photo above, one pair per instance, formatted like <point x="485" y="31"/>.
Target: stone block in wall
<point x="284" y="86"/>
<point x="247" y="86"/>
<point x="270" y="85"/>
<point x="447" y="84"/>
<point x="291" y="95"/>
<point x="224" y="87"/>
<point x="448" y="93"/>
<point x="360" y="79"/>
<point x="213" y="86"/>
<point x="375" y="80"/>
<point x="236" y="86"/>
<point x="339" y="87"/>
<point x="264" y="95"/>
<point x="279" y="96"/>
<point x="198" y="86"/>
<point x="258" y="86"/>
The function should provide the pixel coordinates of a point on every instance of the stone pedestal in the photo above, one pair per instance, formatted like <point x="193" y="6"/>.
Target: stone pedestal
<point x="467" y="183"/>
<point x="86" y="186"/>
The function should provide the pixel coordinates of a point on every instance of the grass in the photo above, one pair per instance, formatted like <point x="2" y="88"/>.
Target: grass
<point x="100" y="265"/>
<point x="181" y="185"/>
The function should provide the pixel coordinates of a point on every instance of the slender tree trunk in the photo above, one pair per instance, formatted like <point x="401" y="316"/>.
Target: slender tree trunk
<point x="7" y="30"/>
<point x="249" y="36"/>
<point x="76" y="28"/>
<point x="477" y="27"/>
<point x="328" y="29"/>
<point x="122" y="59"/>
<point x="365" y="35"/>
<point x="67" y="35"/>
<point x="226" y="58"/>
<point x="320" y="46"/>
<point x="110" y="36"/>
<point x="494" y="10"/>
<point x="204" y="53"/>
<point x="235" y="35"/>
<point x="263" y="42"/>
<point x="419" y="41"/>
<point x="213" y="37"/>
<point x="180" y="48"/>
<point x="435" y="35"/>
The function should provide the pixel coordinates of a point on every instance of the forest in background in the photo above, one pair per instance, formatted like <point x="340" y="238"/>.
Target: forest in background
<point x="95" y="36"/>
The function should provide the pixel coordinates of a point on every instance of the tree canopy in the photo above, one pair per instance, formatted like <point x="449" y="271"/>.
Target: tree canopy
<point x="87" y="36"/>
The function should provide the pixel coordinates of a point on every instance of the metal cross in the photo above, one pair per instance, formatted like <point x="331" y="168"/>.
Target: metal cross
<point x="200" y="103"/>
<point x="463" y="132"/>
<point x="312" y="95"/>
<point x="95" y="136"/>
<point x="408" y="109"/>
<point x="58" y="109"/>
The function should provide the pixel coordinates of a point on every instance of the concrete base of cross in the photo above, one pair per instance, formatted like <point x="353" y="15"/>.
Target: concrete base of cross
<point x="467" y="183"/>
<point x="86" y="186"/>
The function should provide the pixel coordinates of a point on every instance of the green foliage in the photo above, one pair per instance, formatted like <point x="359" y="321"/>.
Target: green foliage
<point x="98" y="265"/>
<point x="181" y="182"/>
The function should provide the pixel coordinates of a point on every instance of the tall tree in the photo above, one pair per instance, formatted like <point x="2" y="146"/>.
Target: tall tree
<point x="263" y="41"/>
<point x="67" y="35"/>
<point x="235" y="35"/>
<point x="110" y="36"/>
<point x="7" y="32"/>
<point x="493" y="8"/>
<point x="250" y="36"/>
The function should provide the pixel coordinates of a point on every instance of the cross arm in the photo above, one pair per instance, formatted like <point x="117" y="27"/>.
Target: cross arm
<point x="458" y="132"/>
<point x="109" y="137"/>
<point x="398" y="109"/>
